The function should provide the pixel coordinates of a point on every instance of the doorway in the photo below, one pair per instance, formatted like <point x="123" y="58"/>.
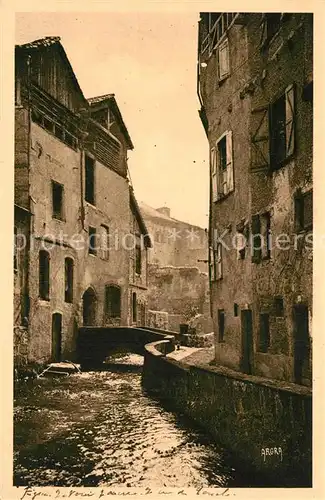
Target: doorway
<point x="247" y="340"/>
<point x="301" y="342"/>
<point x="89" y="307"/>
<point x="56" y="337"/>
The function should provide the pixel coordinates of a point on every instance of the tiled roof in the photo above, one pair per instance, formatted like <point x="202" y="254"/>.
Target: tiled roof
<point x="100" y="98"/>
<point x="41" y="42"/>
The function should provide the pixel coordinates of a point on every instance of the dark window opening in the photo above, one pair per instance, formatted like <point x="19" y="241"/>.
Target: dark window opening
<point x="264" y="332"/>
<point x="279" y="306"/>
<point x="15" y="250"/>
<point x="68" y="292"/>
<point x="221" y="324"/>
<point x="265" y="222"/>
<point x="236" y="310"/>
<point x="113" y="302"/>
<point x="92" y="240"/>
<point x="90" y="179"/>
<point x="282" y="128"/>
<point x="134" y="307"/>
<point x="48" y="124"/>
<point x="44" y="275"/>
<point x="138" y="257"/>
<point x="304" y="211"/>
<point x="57" y="200"/>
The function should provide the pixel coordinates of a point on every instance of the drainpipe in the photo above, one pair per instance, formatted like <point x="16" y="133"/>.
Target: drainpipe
<point x="30" y="218"/>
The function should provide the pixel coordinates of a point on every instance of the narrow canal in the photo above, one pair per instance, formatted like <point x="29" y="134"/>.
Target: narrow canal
<point x="102" y="429"/>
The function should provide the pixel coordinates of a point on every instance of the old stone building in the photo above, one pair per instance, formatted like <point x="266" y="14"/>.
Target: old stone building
<point x="71" y="176"/>
<point x="177" y="269"/>
<point x="255" y="78"/>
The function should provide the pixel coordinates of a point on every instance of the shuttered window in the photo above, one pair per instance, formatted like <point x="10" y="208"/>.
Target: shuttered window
<point x="44" y="275"/>
<point x="282" y="128"/>
<point x="223" y="60"/>
<point x="264" y="340"/>
<point x="112" y="301"/>
<point x="222" y="169"/>
<point x="303" y="211"/>
<point x="68" y="292"/>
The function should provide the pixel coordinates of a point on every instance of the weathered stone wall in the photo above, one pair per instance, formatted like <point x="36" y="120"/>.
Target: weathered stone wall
<point x="177" y="290"/>
<point x="248" y="415"/>
<point x="53" y="160"/>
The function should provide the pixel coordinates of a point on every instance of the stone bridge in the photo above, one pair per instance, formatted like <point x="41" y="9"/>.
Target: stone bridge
<point x="95" y="344"/>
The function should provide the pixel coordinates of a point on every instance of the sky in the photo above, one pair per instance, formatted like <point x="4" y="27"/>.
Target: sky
<point x="148" y="60"/>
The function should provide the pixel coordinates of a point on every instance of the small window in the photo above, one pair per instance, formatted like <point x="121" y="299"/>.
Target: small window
<point x="219" y="261"/>
<point x="113" y="302"/>
<point x="265" y="222"/>
<point x="282" y="128"/>
<point x="221" y="324"/>
<point x="57" y="200"/>
<point x="92" y="240"/>
<point x="89" y="179"/>
<point x="264" y="332"/>
<point x="48" y="124"/>
<point x="236" y="310"/>
<point x="44" y="275"/>
<point x="15" y="249"/>
<point x="261" y="244"/>
<point x="222" y="167"/>
<point x="304" y="211"/>
<point x="104" y="242"/>
<point x="270" y="26"/>
<point x="134" y="307"/>
<point x="279" y="306"/>
<point x="223" y="60"/>
<point x="138" y="256"/>
<point x="68" y="292"/>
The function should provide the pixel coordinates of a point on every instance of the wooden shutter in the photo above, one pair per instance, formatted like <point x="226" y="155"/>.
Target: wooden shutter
<point x="290" y="120"/>
<point x="256" y="239"/>
<point x="223" y="59"/>
<point x="212" y="264"/>
<point x="214" y="176"/>
<point x="219" y="261"/>
<point x="260" y="153"/>
<point x="230" y="165"/>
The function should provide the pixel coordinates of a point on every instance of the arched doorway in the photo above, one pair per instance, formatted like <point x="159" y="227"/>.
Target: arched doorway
<point x="56" y="337"/>
<point x="89" y="307"/>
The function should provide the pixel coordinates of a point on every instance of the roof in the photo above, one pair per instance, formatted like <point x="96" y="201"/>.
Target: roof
<point x="50" y="41"/>
<point x="137" y="212"/>
<point x="109" y="100"/>
<point x="150" y="212"/>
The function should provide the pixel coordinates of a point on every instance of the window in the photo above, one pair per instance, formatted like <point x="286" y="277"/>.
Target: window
<point x="279" y="306"/>
<point x="219" y="261"/>
<point x="221" y="324"/>
<point x="15" y="250"/>
<point x="261" y="245"/>
<point x="57" y="200"/>
<point x="282" y="128"/>
<point x="270" y="25"/>
<point x="134" y="307"/>
<point x="212" y="265"/>
<point x="236" y="310"/>
<point x="90" y="179"/>
<point x="222" y="167"/>
<point x="44" y="275"/>
<point x="68" y="290"/>
<point x="264" y="333"/>
<point x="92" y="240"/>
<point x="223" y="60"/>
<point x="304" y="211"/>
<point x="113" y="301"/>
<point x="265" y="222"/>
<point x="104" y="242"/>
<point x="138" y="259"/>
<point x="242" y="239"/>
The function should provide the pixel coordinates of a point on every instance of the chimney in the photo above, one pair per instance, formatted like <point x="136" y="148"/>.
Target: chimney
<point x="164" y="211"/>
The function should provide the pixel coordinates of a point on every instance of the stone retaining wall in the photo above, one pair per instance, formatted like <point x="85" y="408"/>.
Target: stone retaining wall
<point x="266" y="425"/>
